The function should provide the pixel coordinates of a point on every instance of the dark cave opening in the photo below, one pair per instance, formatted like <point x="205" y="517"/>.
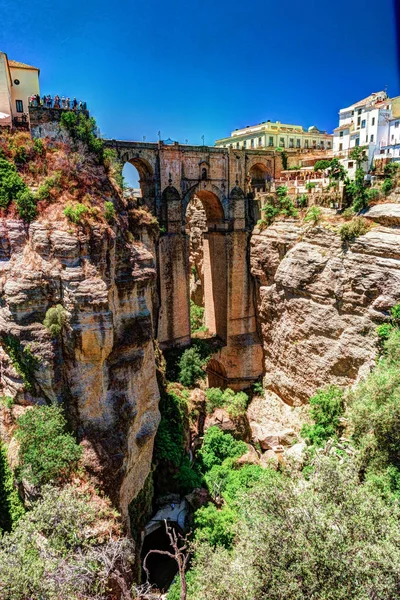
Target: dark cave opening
<point x="162" y="568"/>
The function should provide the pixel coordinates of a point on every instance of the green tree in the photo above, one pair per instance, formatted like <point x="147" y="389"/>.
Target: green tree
<point x="327" y="408"/>
<point x="55" y="319"/>
<point x="191" y="367"/>
<point x="47" y="452"/>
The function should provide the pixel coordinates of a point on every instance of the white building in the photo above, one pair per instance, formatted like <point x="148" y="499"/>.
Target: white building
<point x="389" y="147"/>
<point x="18" y="82"/>
<point x="365" y="123"/>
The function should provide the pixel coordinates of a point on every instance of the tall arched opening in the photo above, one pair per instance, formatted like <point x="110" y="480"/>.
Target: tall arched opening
<point x="139" y="179"/>
<point x="216" y="374"/>
<point x="205" y="227"/>
<point x="260" y="176"/>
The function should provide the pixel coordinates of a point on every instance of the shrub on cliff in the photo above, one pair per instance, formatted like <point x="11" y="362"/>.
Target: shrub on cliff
<point x="353" y="229"/>
<point x="58" y="550"/>
<point x="55" y="319"/>
<point x="387" y="185"/>
<point x="218" y="446"/>
<point x="327" y="538"/>
<point x="47" y="452"/>
<point x="76" y="212"/>
<point x="109" y="211"/>
<point x="327" y="408"/>
<point x="12" y="187"/>
<point x="11" y="506"/>
<point x="234" y="403"/>
<point x="22" y="359"/>
<point x="313" y="215"/>
<point x="191" y="367"/>
<point x="83" y="129"/>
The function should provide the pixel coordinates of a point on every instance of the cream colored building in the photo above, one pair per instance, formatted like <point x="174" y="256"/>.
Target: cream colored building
<point x="18" y="82"/>
<point x="271" y="135"/>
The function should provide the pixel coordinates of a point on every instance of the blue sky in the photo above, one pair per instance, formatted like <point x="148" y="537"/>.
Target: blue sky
<point x="205" y="67"/>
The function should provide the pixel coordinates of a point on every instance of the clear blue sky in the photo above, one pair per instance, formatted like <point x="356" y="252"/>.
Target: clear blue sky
<point x="195" y="67"/>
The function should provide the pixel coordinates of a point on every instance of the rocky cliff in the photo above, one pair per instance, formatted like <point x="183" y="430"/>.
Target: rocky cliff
<point x="320" y="300"/>
<point x="102" y="366"/>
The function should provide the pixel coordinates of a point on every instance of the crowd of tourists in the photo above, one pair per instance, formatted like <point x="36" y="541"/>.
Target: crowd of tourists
<point x="57" y="102"/>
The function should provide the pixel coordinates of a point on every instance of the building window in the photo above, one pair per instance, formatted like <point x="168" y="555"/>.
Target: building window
<point x="19" y="106"/>
<point x="371" y="138"/>
<point x="357" y="141"/>
<point x="341" y="134"/>
<point x="297" y="143"/>
<point x="306" y="144"/>
<point x="237" y="145"/>
<point x="230" y="145"/>
<point x="392" y="137"/>
<point x="252" y="143"/>
<point x="396" y="123"/>
<point x="282" y="142"/>
<point x="340" y="147"/>
<point x="271" y="141"/>
<point x="291" y="143"/>
<point x="329" y="144"/>
<point x="314" y="143"/>
<point x="359" y="111"/>
<point x="260" y="141"/>
<point x="244" y="143"/>
<point x="363" y="123"/>
<point x="358" y="121"/>
<point x="350" y="164"/>
<point x="373" y="121"/>
<point x="322" y="144"/>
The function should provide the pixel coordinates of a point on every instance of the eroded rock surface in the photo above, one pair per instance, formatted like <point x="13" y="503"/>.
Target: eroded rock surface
<point x="103" y="366"/>
<point x="319" y="303"/>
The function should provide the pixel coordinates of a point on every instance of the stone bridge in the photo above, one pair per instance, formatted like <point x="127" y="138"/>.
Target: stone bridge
<point x="225" y="180"/>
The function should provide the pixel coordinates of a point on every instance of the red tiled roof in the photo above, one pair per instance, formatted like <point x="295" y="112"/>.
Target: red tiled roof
<point x="348" y="126"/>
<point x="20" y="65"/>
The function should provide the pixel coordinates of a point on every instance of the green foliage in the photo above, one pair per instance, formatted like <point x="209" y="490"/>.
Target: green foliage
<point x="313" y="215"/>
<point x="191" y="367"/>
<point x="55" y="551"/>
<point x="357" y="191"/>
<point x="217" y="526"/>
<point x="298" y="539"/>
<point x="358" y="154"/>
<point x="391" y="169"/>
<point x="49" y="184"/>
<point x="322" y="165"/>
<point x="258" y="388"/>
<point x="109" y="211"/>
<point x="327" y="408"/>
<point x="23" y="361"/>
<point x="7" y="401"/>
<point x="114" y="165"/>
<point x="395" y="314"/>
<point x="374" y="413"/>
<point x="269" y="213"/>
<point x="26" y="205"/>
<point x="310" y="185"/>
<point x="284" y="157"/>
<point x="75" y="212"/>
<point x="140" y="508"/>
<point x="218" y="446"/>
<point x="348" y="213"/>
<point x="196" y="317"/>
<point x="12" y="187"/>
<point x="47" y="453"/>
<point x="83" y="129"/>
<point x="302" y="201"/>
<point x="169" y="441"/>
<point x="11" y="506"/>
<point x="383" y="331"/>
<point x="337" y="172"/>
<point x="353" y="229"/>
<point x="235" y="404"/>
<point x="281" y="191"/>
<point x="373" y="194"/>
<point x="188" y="477"/>
<point x="387" y="185"/>
<point x="55" y="319"/>
<point x="38" y="147"/>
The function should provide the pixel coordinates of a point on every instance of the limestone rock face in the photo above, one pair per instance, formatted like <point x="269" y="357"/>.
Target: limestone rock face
<point x="319" y="303"/>
<point x="102" y="368"/>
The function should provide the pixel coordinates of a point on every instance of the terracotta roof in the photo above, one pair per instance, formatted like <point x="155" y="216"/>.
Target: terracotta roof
<point x="20" y="65"/>
<point x="347" y="126"/>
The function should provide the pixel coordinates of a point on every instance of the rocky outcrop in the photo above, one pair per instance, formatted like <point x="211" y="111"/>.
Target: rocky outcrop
<point x="319" y="303"/>
<point x="103" y="366"/>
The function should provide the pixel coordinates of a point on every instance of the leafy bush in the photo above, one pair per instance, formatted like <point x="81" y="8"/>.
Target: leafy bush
<point x="109" y="211"/>
<point x="327" y="408"/>
<point x="83" y="129"/>
<point x="384" y="331"/>
<point x="387" y="185"/>
<point x="310" y="185"/>
<point x="47" y="453"/>
<point x="196" y="317"/>
<point x="218" y="446"/>
<point x="7" y="401"/>
<point x="55" y="319"/>
<point x="302" y="201"/>
<point x="322" y="165"/>
<point x="38" y="147"/>
<point x="215" y="526"/>
<point x="373" y="194"/>
<point x="75" y="212"/>
<point x="348" y="213"/>
<point x="56" y="551"/>
<point x="391" y="169"/>
<point x="356" y="227"/>
<point x="12" y="186"/>
<point x="26" y="205"/>
<point x="22" y="359"/>
<point x="11" y="506"/>
<point x="299" y="540"/>
<point x="191" y="367"/>
<point x="53" y="182"/>
<point x="313" y="215"/>
<point x="234" y="403"/>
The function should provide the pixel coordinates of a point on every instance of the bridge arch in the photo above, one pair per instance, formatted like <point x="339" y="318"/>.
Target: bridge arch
<point x="146" y="172"/>
<point x="213" y="199"/>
